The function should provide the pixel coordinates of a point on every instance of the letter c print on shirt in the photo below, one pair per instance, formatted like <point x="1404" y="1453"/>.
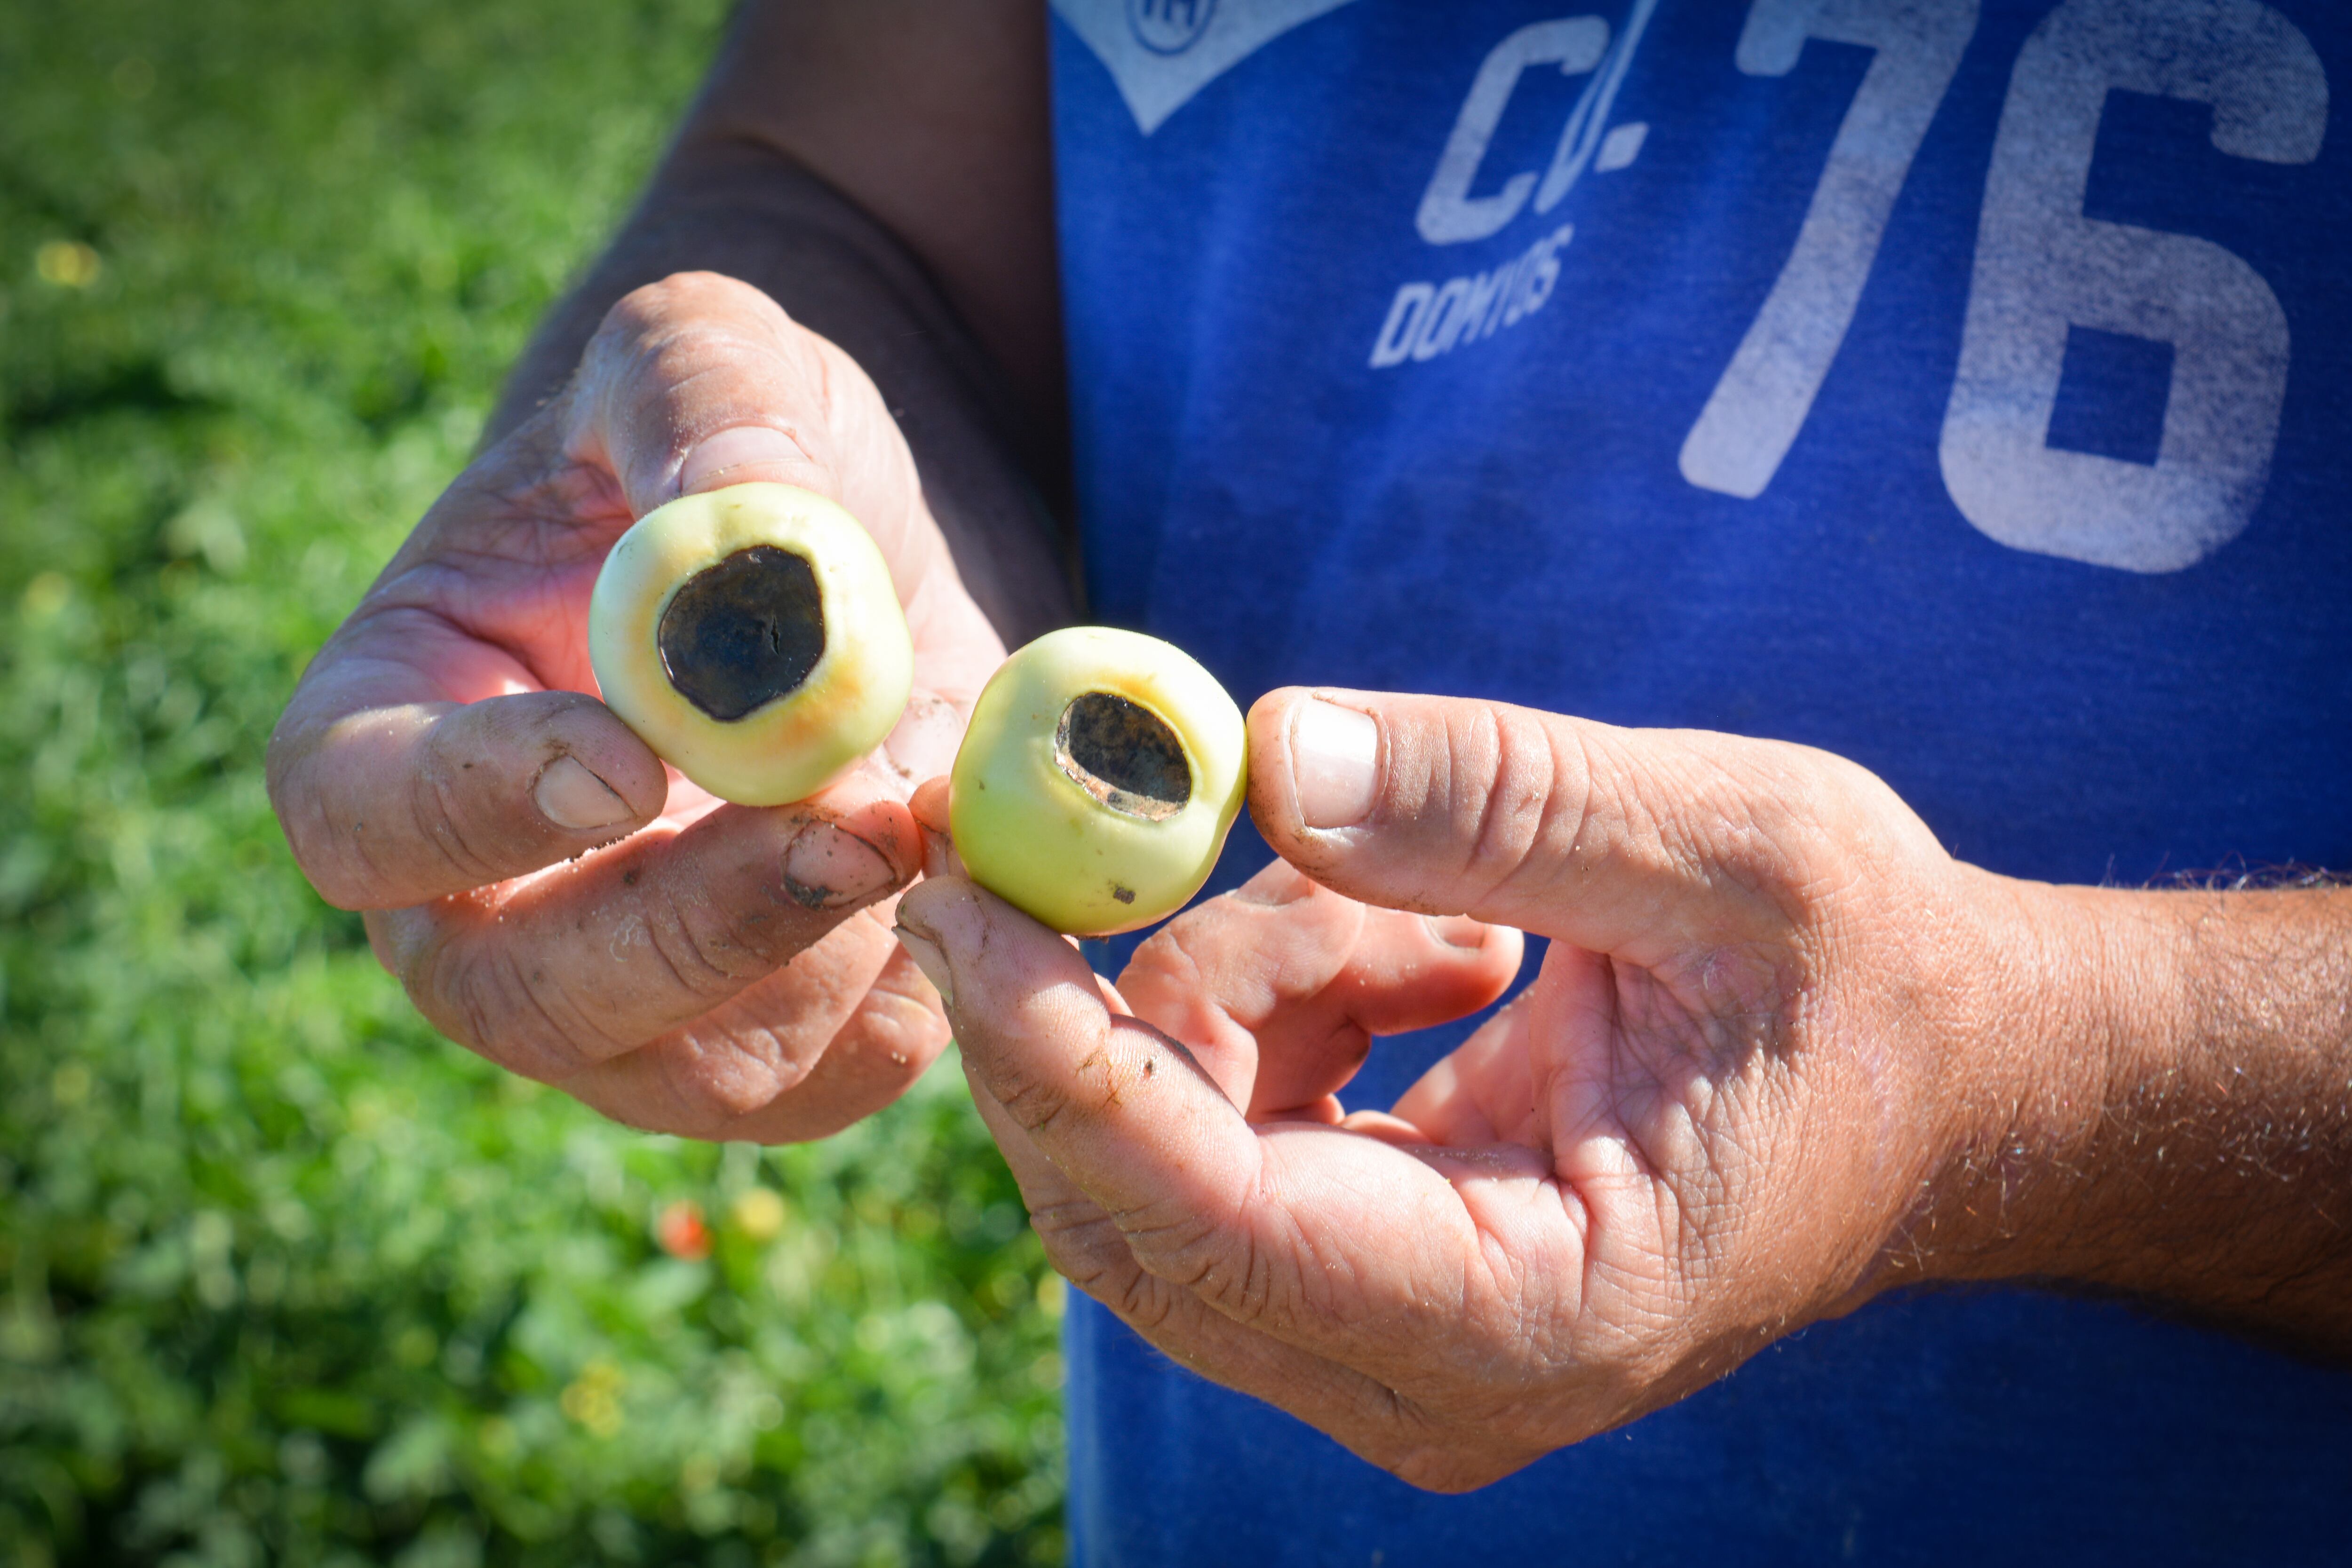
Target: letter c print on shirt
<point x="1426" y="320"/>
<point x="1449" y="213"/>
<point x="1161" y="52"/>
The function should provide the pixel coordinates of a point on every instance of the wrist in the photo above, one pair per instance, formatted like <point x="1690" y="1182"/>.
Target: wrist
<point x="2156" y="1100"/>
<point x="2073" y="996"/>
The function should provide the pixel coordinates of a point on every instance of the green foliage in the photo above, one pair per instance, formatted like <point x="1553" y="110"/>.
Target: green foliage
<point x="284" y="1278"/>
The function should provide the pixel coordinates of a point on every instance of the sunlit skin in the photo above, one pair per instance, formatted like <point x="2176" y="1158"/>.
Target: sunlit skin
<point x="425" y="769"/>
<point x="1784" y="1054"/>
<point x="742" y="1018"/>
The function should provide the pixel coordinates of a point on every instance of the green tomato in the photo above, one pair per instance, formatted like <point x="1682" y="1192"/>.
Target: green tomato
<point x="1099" y="779"/>
<point x="752" y="637"/>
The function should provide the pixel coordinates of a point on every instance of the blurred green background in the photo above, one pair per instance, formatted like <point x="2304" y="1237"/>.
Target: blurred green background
<point x="283" y="1277"/>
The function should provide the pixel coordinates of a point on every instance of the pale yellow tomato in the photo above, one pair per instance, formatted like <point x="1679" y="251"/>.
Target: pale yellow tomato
<point x="1100" y="774"/>
<point x="752" y="638"/>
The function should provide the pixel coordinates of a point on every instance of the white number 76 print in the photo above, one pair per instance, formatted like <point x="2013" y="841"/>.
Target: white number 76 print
<point x="2041" y="267"/>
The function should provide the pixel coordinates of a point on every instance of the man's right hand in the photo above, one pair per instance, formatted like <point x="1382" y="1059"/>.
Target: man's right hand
<point x="547" y="893"/>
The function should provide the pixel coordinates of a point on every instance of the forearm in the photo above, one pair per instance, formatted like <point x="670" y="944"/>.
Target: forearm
<point x="2177" y="1123"/>
<point x="737" y="195"/>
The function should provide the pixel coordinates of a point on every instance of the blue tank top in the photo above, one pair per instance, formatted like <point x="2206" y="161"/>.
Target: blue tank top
<point x="1961" y="387"/>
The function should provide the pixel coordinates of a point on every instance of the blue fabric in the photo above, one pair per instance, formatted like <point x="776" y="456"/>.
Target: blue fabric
<point x="1995" y="1427"/>
<point x="1269" y="477"/>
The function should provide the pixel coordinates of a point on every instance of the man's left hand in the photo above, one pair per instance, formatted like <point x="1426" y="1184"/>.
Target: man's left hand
<point x="1764" y="1043"/>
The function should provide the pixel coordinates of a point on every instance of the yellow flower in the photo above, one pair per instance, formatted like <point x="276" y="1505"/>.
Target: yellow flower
<point x="68" y="263"/>
<point x="757" y="1214"/>
<point x="594" y="1398"/>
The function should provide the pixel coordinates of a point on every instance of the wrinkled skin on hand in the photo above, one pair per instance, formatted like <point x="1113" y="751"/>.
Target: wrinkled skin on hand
<point x="1715" y="1117"/>
<point x="549" y="894"/>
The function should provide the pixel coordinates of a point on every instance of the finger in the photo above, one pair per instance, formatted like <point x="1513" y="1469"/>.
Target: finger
<point x="893" y="1036"/>
<point x="699" y="382"/>
<point x="1372" y="1420"/>
<point x="836" y="1035"/>
<point x="930" y="805"/>
<point x="922" y="745"/>
<point x="1279" y="987"/>
<point x="1483" y="1092"/>
<point x="1030" y="1017"/>
<point x="1447" y="1276"/>
<point x="1600" y="836"/>
<point x="1339" y="1244"/>
<point x="441" y="738"/>
<point x="388" y="807"/>
<point x="393" y="790"/>
<point x="581" y="963"/>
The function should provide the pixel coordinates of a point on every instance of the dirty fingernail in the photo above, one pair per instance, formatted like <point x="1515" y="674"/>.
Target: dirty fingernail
<point x="1335" y="762"/>
<point x="1456" y="930"/>
<point x="826" y="868"/>
<point x="575" y="800"/>
<point x="929" y="960"/>
<point x="746" y="446"/>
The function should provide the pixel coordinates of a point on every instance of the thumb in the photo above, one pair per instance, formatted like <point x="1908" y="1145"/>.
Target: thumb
<point x="700" y="382"/>
<point x="1621" y="841"/>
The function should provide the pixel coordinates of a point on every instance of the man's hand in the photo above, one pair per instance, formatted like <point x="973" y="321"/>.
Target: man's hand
<point x="549" y="894"/>
<point x="1783" y="1053"/>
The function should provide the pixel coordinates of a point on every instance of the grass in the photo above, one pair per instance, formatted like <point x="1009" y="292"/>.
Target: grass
<point x="283" y="1277"/>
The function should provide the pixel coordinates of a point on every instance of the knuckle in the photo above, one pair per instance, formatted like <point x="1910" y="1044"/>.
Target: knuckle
<point x="708" y="954"/>
<point x="1087" y="1247"/>
<point x="1849" y="813"/>
<point x="363" y="867"/>
<point x="713" y="1087"/>
<point x="1143" y="1301"/>
<point x="488" y="998"/>
<point x="351" y="867"/>
<point x="441" y="827"/>
<point x="889" y="1040"/>
<point x="690" y="349"/>
<point x="1224" y="1265"/>
<point x="1512" y="797"/>
<point x="681" y="341"/>
<point x="907" y="1033"/>
<point x="1165" y="981"/>
<point x="322" y="857"/>
<point x="1168" y="954"/>
<point x="1139" y="1299"/>
<point x="1773" y="822"/>
<point x="351" y="854"/>
<point x="716" y="345"/>
<point x="1084" y="1246"/>
<point x="334" y="863"/>
<point x="471" y="1000"/>
<point x="1033" y="1104"/>
<point x="682" y="296"/>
